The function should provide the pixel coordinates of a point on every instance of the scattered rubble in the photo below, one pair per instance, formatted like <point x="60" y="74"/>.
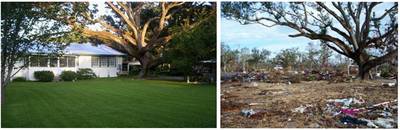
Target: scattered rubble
<point x="312" y="104"/>
<point x="254" y="84"/>
<point x="384" y="122"/>
<point x="247" y="112"/>
<point x="389" y="84"/>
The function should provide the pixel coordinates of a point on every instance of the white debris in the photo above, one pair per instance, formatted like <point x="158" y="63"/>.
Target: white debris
<point x="346" y="102"/>
<point x="389" y="84"/>
<point x="254" y="104"/>
<point x="386" y="114"/>
<point x="358" y="101"/>
<point x="384" y="122"/>
<point x="247" y="112"/>
<point x="370" y="123"/>
<point x="254" y="84"/>
<point x="300" y="109"/>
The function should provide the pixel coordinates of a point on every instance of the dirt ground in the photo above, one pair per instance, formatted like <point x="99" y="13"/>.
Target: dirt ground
<point x="274" y="103"/>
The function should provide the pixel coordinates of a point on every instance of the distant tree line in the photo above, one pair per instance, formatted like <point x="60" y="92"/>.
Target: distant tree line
<point x="316" y="57"/>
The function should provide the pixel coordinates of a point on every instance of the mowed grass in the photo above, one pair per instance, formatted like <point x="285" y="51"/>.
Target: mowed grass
<point x="116" y="102"/>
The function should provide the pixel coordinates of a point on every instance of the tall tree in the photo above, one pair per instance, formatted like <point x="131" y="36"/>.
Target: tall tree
<point x="325" y="53"/>
<point x="229" y="58"/>
<point x="244" y="56"/>
<point x="311" y="60"/>
<point x="193" y="46"/>
<point x="287" y="58"/>
<point x="140" y="29"/>
<point x="258" y="57"/>
<point x="354" y="29"/>
<point x="26" y="27"/>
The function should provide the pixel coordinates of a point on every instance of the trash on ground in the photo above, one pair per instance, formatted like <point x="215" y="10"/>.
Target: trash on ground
<point x="388" y="84"/>
<point x="247" y="112"/>
<point x="309" y="104"/>
<point x="345" y="102"/>
<point x="351" y="120"/>
<point x="254" y="84"/>
<point x="300" y="109"/>
<point x="350" y="115"/>
<point x="350" y="112"/>
<point x="384" y="122"/>
<point x="254" y="104"/>
<point x="370" y="123"/>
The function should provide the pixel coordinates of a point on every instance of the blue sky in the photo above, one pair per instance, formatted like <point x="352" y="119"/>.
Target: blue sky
<point x="274" y="38"/>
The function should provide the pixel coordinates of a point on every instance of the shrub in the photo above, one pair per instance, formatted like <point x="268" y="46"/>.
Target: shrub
<point x="19" y="79"/>
<point x="134" y="70"/>
<point x="68" y="75"/>
<point x="86" y="73"/>
<point x="310" y="77"/>
<point x="44" y="76"/>
<point x="385" y="73"/>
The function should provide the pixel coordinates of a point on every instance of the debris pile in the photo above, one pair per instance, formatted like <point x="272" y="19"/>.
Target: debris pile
<point x="353" y="112"/>
<point x="313" y="104"/>
<point x="289" y="77"/>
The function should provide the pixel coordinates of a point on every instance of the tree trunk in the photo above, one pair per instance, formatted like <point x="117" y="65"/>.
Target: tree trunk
<point x="145" y="63"/>
<point x="144" y="70"/>
<point x="6" y="79"/>
<point x="363" y="71"/>
<point x="3" y="95"/>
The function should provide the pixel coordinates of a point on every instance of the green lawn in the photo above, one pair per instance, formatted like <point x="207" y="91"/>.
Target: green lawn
<point x="115" y="102"/>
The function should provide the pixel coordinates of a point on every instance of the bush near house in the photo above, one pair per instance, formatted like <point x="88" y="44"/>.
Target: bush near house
<point x="19" y="79"/>
<point x="68" y="75"/>
<point x="44" y="76"/>
<point x="85" y="73"/>
<point x="134" y="70"/>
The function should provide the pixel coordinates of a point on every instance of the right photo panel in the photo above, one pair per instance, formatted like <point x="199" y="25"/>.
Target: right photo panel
<point x="309" y="64"/>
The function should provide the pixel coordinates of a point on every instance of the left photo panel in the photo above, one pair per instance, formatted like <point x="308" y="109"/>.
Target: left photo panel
<point x="108" y="65"/>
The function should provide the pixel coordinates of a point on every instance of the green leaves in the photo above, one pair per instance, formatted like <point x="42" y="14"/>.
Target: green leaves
<point x="192" y="45"/>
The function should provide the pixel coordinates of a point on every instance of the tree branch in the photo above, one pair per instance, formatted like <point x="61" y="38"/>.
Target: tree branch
<point x="124" y="17"/>
<point x="393" y="8"/>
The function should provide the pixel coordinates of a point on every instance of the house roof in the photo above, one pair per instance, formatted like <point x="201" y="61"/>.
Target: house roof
<point x="83" y="49"/>
<point x="89" y="49"/>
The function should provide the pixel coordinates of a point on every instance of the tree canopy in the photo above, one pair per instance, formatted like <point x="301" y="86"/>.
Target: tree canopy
<point x="192" y="46"/>
<point x="354" y="30"/>
<point x="25" y="27"/>
<point x="140" y="29"/>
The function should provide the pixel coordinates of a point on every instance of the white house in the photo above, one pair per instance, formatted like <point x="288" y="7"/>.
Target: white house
<point x="103" y="60"/>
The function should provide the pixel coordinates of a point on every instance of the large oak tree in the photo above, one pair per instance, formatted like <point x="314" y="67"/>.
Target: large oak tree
<point x="140" y="29"/>
<point x="355" y="30"/>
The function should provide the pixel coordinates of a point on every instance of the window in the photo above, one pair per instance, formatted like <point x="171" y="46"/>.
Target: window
<point x="103" y="62"/>
<point x="53" y="62"/>
<point x="34" y="61"/>
<point x="111" y="61"/>
<point x="63" y="61"/>
<point x="71" y="61"/>
<point x="95" y="61"/>
<point x="43" y="61"/>
<point x="39" y="61"/>
<point x="67" y="61"/>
